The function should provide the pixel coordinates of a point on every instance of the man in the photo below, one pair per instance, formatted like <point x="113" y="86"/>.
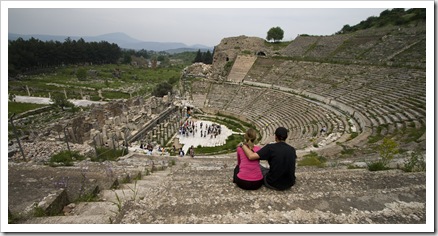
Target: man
<point x="281" y="158"/>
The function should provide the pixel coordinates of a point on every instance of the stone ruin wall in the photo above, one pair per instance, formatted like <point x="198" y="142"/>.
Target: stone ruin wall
<point x="103" y="125"/>
<point x="229" y="48"/>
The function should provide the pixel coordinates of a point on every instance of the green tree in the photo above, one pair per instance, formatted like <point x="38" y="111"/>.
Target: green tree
<point x="198" y="57"/>
<point x="207" y="58"/>
<point x="60" y="101"/>
<point x="275" y="33"/>
<point x="81" y="74"/>
<point x="162" y="89"/>
<point x="127" y="58"/>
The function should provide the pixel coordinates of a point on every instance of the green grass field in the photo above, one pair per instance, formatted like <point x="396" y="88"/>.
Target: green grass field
<point x="18" y="107"/>
<point x="137" y="81"/>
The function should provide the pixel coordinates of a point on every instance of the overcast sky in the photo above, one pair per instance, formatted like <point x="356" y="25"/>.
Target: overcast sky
<point x="189" y="26"/>
<point x="205" y="26"/>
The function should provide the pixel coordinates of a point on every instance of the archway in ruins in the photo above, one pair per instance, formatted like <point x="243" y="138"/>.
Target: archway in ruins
<point x="260" y="53"/>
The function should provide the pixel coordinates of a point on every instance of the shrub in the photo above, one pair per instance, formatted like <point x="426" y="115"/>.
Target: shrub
<point x="376" y="166"/>
<point x="81" y="74"/>
<point x="387" y="151"/>
<point x="353" y="135"/>
<point x="59" y="100"/>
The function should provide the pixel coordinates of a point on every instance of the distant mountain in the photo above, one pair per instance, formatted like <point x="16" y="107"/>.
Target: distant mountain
<point x="121" y="39"/>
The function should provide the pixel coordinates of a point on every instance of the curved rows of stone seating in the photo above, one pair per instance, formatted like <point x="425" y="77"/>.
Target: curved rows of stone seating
<point x="220" y="95"/>
<point x="405" y="45"/>
<point x="269" y="109"/>
<point x="389" y="96"/>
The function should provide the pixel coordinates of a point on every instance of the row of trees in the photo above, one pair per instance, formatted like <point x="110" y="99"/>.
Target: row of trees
<point x="204" y="57"/>
<point x="396" y="16"/>
<point x="33" y="54"/>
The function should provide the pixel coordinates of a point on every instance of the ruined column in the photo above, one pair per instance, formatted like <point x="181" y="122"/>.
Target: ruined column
<point x="28" y="92"/>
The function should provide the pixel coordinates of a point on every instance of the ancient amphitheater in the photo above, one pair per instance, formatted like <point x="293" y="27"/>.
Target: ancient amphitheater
<point x="362" y="86"/>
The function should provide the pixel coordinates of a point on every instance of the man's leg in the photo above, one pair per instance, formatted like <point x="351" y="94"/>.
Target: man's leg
<point x="264" y="173"/>
<point x="264" y="170"/>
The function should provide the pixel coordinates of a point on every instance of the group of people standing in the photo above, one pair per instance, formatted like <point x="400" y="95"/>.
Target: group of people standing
<point x="190" y="127"/>
<point x="250" y="175"/>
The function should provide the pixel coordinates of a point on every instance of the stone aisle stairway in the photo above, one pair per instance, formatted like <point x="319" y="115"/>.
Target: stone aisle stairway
<point x="241" y="66"/>
<point x="110" y="202"/>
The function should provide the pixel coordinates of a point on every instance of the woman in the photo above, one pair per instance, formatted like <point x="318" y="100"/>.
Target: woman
<point x="247" y="174"/>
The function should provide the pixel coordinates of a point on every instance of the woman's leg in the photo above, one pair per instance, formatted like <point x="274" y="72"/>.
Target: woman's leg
<point x="249" y="185"/>
<point x="236" y="171"/>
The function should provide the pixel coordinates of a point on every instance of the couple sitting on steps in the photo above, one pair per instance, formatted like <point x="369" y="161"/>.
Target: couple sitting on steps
<point x="250" y="175"/>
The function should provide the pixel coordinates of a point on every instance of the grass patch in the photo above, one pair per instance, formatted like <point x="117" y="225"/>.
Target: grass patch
<point x="347" y="151"/>
<point x="375" y="138"/>
<point x="115" y="95"/>
<point x="413" y="134"/>
<point x="65" y="158"/>
<point x="312" y="159"/>
<point x="19" y="107"/>
<point x="277" y="45"/>
<point x="229" y="146"/>
<point x="108" y="154"/>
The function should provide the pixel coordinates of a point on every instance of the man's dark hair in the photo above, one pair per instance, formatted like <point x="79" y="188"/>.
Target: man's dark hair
<point x="281" y="133"/>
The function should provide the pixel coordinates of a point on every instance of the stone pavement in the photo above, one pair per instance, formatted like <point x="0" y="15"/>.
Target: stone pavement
<point x="208" y="141"/>
<point x="43" y="100"/>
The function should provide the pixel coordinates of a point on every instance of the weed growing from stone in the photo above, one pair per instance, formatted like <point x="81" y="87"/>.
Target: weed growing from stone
<point x="415" y="163"/>
<point x="134" y="191"/>
<point x="119" y="202"/>
<point x="38" y="211"/>
<point x="387" y="151"/>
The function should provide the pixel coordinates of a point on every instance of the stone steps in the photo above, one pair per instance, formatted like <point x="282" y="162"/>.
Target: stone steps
<point x="202" y="192"/>
<point x="109" y="201"/>
<point x="242" y="65"/>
